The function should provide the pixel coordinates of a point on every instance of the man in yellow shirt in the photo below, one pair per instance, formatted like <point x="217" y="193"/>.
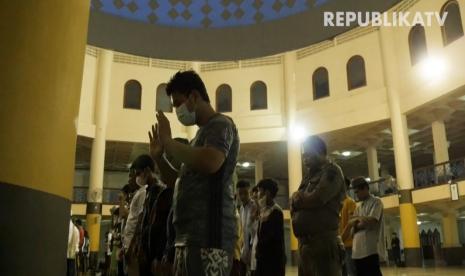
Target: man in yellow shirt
<point x="347" y="212"/>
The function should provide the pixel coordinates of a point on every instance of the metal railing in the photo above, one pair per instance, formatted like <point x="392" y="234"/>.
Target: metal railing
<point x="109" y="195"/>
<point x="381" y="187"/>
<point x="440" y="173"/>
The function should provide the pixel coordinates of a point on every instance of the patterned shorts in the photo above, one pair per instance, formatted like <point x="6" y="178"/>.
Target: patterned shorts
<point x="194" y="261"/>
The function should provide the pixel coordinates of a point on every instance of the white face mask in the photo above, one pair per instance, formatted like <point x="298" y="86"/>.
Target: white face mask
<point x="140" y="180"/>
<point x="186" y="117"/>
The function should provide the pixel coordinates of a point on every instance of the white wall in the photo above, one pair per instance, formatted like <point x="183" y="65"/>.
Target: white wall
<point x="86" y="122"/>
<point x="254" y="125"/>
<point x="341" y="109"/>
<point x="130" y="124"/>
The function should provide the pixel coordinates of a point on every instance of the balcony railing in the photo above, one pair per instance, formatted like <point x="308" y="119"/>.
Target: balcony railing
<point x="109" y="195"/>
<point x="440" y="173"/>
<point x="381" y="187"/>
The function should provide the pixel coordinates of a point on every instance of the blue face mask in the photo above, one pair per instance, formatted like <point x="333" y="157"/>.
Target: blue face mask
<point x="186" y="117"/>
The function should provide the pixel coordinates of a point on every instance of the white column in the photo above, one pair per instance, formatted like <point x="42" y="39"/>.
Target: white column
<point x="372" y="157"/>
<point x="294" y="157"/>
<point x="398" y="119"/>
<point x="97" y="163"/>
<point x="441" y="151"/>
<point x="450" y="229"/>
<point x="408" y="215"/>
<point x="258" y="170"/>
<point x="294" y="160"/>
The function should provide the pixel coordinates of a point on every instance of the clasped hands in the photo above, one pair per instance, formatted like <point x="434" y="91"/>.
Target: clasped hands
<point x="297" y="200"/>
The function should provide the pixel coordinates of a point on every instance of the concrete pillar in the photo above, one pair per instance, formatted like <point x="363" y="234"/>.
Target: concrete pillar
<point x="373" y="172"/>
<point x="42" y="56"/>
<point x="452" y="249"/>
<point x="294" y="158"/>
<point x="258" y="170"/>
<point x="404" y="173"/>
<point x="372" y="157"/>
<point x="450" y="229"/>
<point x="441" y="150"/>
<point x="97" y="162"/>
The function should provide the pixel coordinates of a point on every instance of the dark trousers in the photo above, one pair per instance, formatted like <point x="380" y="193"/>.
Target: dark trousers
<point x="71" y="267"/>
<point x="396" y="256"/>
<point x="368" y="266"/>
<point x="121" y="268"/>
<point x="321" y="256"/>
<point x="238" y="268"/>
<point x="145" y="268"/>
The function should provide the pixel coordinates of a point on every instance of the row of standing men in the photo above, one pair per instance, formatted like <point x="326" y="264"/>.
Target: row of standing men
<point x="182" y="218"/>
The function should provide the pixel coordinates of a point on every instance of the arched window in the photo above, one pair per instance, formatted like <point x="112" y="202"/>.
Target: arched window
<point x="258" y="96"/>
<point x="163" y="101"/>
<point x="224" y="98"/>
<point x="417" y="44"/>
<point x="320" y="82"/>
<point x="132" y="94"/>
<point x="356" y="75"/>
<point x="452" y="28"/>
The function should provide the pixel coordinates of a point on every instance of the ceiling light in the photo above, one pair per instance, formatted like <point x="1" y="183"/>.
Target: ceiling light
<point x="245" y="164"/>
<point x="433" y="68"/>
<point x="418" y="222"/>
<point x="297" y="133"/>
<point x="346" y="153"/>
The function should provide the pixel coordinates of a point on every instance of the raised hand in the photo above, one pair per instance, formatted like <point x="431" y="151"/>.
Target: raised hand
<point x="164" y="128"/>
<point x="155" y="146"/>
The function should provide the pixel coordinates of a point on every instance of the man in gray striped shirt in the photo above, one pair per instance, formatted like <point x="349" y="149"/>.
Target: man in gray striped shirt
<point x="367" y="226"/>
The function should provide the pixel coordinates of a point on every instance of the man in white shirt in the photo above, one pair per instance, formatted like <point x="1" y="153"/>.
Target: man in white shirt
<point x="142" y="169"/>
<point x="73" y="248"/>
<point x="368" y="229"/>
<point x="243" y="190"/>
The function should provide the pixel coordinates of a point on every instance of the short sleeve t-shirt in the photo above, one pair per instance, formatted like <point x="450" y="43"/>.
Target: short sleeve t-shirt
<point x="203" y="204"/>
<point x="369" y="241"/>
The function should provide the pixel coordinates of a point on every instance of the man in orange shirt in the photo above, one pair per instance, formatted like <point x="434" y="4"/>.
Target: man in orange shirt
<point x="347" y="212"/>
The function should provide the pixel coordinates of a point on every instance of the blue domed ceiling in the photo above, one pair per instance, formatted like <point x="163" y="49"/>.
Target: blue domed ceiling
<point x="216" y="29"/>
<point x="204" y="13"/>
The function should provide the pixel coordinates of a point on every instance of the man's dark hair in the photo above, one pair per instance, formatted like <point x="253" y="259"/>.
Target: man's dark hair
<point x="143" y="161"/>
<point x="347" y="180"/>
<point x="243" y="184"/>
<point x="359" y="183"/>
<point x="79" y="222"/>
<point x="315" y="144"/>
<point x="184" y="82"/>
<point x="255" y="189"/>
<point x="270" y="185"/>
<point x="127" y="189"/>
